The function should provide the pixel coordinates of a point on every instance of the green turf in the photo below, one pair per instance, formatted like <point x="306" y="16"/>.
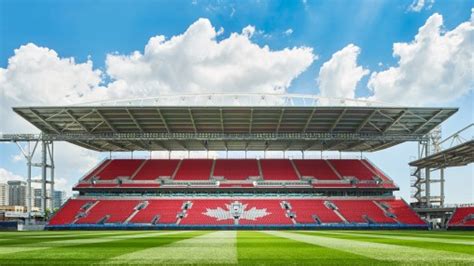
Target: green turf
<point x="242" y="247"/>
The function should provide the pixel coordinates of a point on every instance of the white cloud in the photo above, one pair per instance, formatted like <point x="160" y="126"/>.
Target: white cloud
<point x="6" y="175"/>
<point x="436" y="67"/>
<point x="288" y="32"/>
<point x="248" y="31"/>
<point x="418" y="5"/>
<point x="195" y="62"/>
<point x="338" y="77"/>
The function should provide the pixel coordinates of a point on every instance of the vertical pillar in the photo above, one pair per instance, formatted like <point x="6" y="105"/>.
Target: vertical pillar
<point x="441" y="190"/>
<point x="51" y="165"/>
<point x="28" y="181"/>
<point x="43" y="176"/>
<point x="427" y="178"/>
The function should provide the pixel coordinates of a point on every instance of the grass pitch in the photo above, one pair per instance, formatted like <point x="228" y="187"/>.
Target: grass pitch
<point x="237" y="247"/>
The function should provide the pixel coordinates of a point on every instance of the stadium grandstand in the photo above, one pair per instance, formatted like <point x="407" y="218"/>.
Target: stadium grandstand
<point x="243" y="192"/>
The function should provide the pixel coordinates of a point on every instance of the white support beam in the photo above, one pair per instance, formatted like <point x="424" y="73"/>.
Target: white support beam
<point x="163" y="120"/>
<point x="367" y="120"/>
<point x="192" y="120"/>
<point x="68" y="112"/>
<point x="308" y="121"/>
<point x="394" y="122"/>
<point x="334" y="125"/>
<point x="140" y="128"/>
<point x="106" y="121"/>
<point x="44" y="121"/>
<point x="280" y="119"/>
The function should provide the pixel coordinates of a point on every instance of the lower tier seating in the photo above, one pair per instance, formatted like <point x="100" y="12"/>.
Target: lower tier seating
<point x="234" y="211"/>
<point x="462" y="216"/>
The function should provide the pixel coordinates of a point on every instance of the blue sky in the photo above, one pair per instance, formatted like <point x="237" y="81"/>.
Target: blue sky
<point x="91" y="30"/>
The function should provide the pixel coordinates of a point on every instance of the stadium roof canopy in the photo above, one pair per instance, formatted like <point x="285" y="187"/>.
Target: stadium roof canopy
<point x="458" y="155"/>
<point x="302" y="128"/>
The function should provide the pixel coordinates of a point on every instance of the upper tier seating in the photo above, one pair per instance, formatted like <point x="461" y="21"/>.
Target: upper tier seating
<point x="235" y="169"/>
<point x="194" y="169"/>
<point x="117" y="210"/>
<point x="462" y="216"/>
<point x="306" y="210"/>
<point x="405" y="214"/>
<point x="318" y="169"/>
<point x="352" y="168"/>
<point x="167" y="210"/>
<point x="355" y="211"/>
<point x="377" y="171"/>
<point x="152" y="169"/>
<point x="278" y="169"/>
<point x="117" y="168"/>
<point x="96" y="170"/>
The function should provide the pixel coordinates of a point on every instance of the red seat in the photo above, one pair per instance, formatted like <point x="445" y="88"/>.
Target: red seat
<point x="278" y="169"/>
<point x="234" y="169"/>
<point x="152" y="169"/>
<point x="319" y="169"/>
<point x="194" y="169"/>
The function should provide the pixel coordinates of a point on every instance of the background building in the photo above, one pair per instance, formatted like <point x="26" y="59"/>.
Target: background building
<point x="3" y="194"/>
<point x="17" y="193"/>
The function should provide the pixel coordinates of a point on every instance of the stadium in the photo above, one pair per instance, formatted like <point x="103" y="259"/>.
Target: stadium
<point x="218" y="200"/>
<point x="223" y="132"/>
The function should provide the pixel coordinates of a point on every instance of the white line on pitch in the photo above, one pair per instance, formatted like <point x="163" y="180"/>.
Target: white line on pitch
<point x="379" y="251"/>
<point x="212" y="248"/>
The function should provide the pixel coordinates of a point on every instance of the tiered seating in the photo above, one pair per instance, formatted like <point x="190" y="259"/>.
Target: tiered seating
<point x="118" y="168"/>
<point x="355" y="210"/>
<point x="462" y="216"/>
<point x="233" y="169"/>
<point x="376" y="170"/>
<point x="278" y="169"/>
<point x="318" y="169"/>
<point x="266" y="212"/>
<point x="194" y="169"/>
<point x="166" y="209"/>
<point x="118" y="210"/>
<point x="305" y="209"/>
<point x="353" y="168"/>
<point x="96" y="170"/>
<point x="68" y="212"/>
<point x="405" y="214"/>
<point x="152" y="169"/>
<point x="276" y="214"/>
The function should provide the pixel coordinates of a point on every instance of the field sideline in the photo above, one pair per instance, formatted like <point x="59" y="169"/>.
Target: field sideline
<point x="237" y="247"/>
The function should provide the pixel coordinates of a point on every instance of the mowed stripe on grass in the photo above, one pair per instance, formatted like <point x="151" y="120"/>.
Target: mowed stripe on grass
<point x="380" y="251"/>
<point x="93" y="253"/>
<point x="444" y="240"/>
<point x="258" y="248"/>
<point x="211" y="248"/>
<point x="95" y="239"/>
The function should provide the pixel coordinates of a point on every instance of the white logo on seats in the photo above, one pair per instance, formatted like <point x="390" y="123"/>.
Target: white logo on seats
<point x="236" y="211"/>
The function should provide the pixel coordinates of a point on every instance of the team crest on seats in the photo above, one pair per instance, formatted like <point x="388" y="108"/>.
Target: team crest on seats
<point x="236" y="211"/>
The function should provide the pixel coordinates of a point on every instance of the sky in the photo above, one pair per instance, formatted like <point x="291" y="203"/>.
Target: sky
<point x="413" y="53"/>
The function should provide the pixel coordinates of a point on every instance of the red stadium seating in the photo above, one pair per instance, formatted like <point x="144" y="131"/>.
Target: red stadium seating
<point x="152" y="169"/>
<point x="305" y="209"/>
<point x="276" y="216"/>
<point x="196" y="216"/>
<point x="97" y="169"/>
<point x="166" y="209"/>
<point x="355" y="210"/>
<point x="118" y="211"/>
<point x="233" y="169"/>
<point x="118" y="168"/>
<point x="405" y="214"/>
<point x="353" y="168"/>
<point x="194" y="169"/>
<point x="318" y="169"/>
<point x="68" y="212"/>
<point x="278" y="169"/>
<point x="462" y="216"/>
